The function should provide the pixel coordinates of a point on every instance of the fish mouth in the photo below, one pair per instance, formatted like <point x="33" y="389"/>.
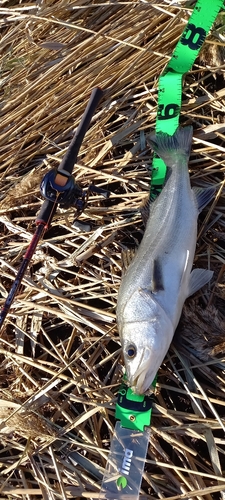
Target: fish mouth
<point x="142" y="383"/>
<point x="143" y="378"/>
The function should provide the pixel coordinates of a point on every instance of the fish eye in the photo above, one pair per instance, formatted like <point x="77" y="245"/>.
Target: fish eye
<point x="131" y="351"/>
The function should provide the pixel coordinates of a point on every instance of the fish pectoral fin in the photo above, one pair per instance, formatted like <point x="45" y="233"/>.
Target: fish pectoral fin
<point x="157" y="277"/>
<point x="203" y="196"/>
<point x="198" y="278"/>
<point x="157" y="284"/>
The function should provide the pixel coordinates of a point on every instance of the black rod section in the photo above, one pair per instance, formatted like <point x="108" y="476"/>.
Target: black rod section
<point x="70" y="157"/>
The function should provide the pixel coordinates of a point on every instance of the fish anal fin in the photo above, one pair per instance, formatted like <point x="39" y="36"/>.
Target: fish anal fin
<point x="198" y="278"/>
<point x="203" y="196"/>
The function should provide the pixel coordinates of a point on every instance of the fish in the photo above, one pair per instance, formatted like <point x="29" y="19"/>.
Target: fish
<point x="160" y="277"/>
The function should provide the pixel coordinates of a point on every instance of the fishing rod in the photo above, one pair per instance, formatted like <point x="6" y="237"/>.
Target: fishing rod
<point x="129" y="444"/>
<point x="58" y="187"/>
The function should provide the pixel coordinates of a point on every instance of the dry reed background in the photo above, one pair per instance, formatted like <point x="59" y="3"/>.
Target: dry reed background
<point x="60" y="353"/>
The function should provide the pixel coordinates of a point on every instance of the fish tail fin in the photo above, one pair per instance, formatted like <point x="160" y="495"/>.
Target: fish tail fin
<point x="173" y="148"/>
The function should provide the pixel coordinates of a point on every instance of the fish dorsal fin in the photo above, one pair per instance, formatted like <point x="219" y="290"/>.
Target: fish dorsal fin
<point x="157" y="277"/>
<point x="127" y="255"/>
<point x="198" y="278"/>
<point x="203" y="196"/>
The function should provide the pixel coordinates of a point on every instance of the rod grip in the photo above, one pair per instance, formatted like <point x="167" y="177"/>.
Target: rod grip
<point x="46" y="213"/>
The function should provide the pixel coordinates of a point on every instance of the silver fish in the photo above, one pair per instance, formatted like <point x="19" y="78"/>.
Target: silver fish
<point x="159" y="278"/>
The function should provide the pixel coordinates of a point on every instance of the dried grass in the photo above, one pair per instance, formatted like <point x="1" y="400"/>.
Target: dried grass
<point x="60" y="352"/>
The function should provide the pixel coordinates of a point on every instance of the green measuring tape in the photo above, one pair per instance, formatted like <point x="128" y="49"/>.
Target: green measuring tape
<point x="129" y="444"/>
<point x="170" y="82"/>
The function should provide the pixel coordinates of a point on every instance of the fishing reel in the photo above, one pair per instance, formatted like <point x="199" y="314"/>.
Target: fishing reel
<point x="70" y="194"/>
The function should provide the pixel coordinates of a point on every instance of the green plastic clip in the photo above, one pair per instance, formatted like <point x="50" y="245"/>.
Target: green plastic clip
<point x="133" y="410"/>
